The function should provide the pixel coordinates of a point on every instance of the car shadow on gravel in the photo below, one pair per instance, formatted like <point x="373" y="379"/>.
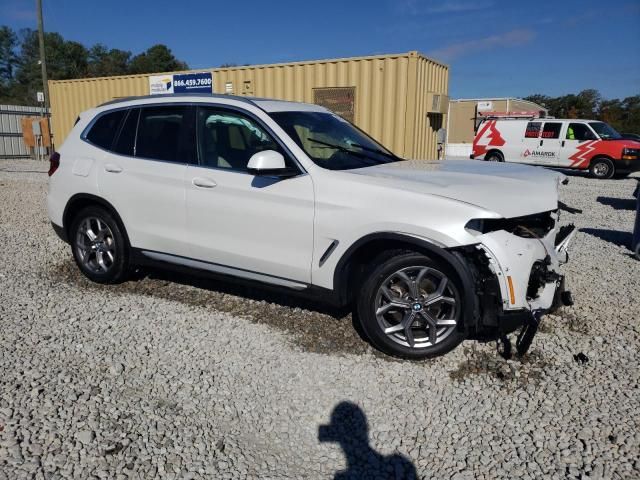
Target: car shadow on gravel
<point x="616" y="237"/>
<point x="618" y="203"/>
<point x="310" y="325"/>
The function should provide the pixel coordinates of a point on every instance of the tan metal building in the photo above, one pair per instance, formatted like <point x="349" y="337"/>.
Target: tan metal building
<point x="399" y="99"/>
<point x="464" y="116"/>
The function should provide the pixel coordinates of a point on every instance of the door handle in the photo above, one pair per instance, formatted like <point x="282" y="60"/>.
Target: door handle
<point x="541" y="142"/>
<point x="112" y="168"/>
<point x="203" y="182"/>
<point x="563" y="143"/>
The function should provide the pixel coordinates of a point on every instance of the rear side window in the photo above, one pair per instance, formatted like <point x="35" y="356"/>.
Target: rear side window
<point x="167" y="133"/>
<point x="127" y="137"/>
<point x="551" y="130"/>
<point x="105" y="128"/>
<point x="533" y="130"/>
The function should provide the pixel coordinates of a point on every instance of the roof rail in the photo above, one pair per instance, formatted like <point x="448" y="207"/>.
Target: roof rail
<point x="511" y="115"/>
<point x="178" y="95"/>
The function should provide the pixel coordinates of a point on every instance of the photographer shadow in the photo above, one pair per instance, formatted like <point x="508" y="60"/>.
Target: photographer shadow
<point x="349" y="428"/>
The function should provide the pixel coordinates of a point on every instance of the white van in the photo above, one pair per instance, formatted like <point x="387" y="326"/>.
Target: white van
<point x="567" y="143"/>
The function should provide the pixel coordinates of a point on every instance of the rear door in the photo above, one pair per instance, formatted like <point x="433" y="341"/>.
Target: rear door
<point x="530" y="142"/>
<point x="541" y="144"/>
<point x="143" y="176"/>
<point x="550" y="143"/>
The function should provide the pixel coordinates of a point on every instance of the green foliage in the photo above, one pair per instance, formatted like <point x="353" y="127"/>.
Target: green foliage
<point x="21" y="75"/>
<point x="104" y="62"/>
<point x="156" y="59"/>
<point x="623" y="115"/>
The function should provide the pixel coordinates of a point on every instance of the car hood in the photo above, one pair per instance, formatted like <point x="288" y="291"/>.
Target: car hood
<point x="509" y="190"/>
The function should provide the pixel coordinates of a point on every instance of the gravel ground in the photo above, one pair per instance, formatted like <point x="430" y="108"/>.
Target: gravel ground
<point x="177" y="377"/>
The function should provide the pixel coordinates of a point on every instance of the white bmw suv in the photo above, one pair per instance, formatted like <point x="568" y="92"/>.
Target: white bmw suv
<point x="291" y="195"/>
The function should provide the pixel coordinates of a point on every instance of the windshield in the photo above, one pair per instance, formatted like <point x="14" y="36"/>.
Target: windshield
<point x="331" y="142"/>
<point x="606" y="131"/>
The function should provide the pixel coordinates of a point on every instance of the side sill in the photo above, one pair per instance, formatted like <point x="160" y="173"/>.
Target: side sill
<point x="224" y="270"/>
<point x="313" y="293"/>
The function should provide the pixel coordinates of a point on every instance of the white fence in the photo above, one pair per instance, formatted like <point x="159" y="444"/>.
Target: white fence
<point x="11" y="144"/>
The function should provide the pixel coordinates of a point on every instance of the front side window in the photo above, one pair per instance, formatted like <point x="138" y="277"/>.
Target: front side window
<point x="580" y="132"/>
<point x="166" y="133"/>
<point x="331" y="142"/>
<point x="551" y="130"/>
<point x="227" y="139"/>
<point x="105" y="128"/>
<point x="606" y="131"/>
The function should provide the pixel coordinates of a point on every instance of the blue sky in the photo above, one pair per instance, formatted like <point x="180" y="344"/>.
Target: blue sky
<point x="494" y="47"/>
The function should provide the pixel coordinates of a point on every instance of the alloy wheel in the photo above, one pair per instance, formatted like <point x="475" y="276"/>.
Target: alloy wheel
<point x="417" y="307"/>
<point x="95" y="245"/>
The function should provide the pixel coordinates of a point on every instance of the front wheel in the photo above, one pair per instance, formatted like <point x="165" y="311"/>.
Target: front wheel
<point x="410" y="306"/>
<point x="602" y="168"/>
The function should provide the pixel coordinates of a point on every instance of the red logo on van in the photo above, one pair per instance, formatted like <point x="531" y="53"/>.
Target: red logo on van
<point x="526" y="153"/>
<point x="489" y="134"/>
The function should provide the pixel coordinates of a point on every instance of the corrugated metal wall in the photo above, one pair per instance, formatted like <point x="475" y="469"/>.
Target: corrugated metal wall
<point x="381" y="89"/>
<point x="390" y="94"/>
<point x="11" y="144"/>
<point x="71" y="97"/>
<point x="432" y="77"/>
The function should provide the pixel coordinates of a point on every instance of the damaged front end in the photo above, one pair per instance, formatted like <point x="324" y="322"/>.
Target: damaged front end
<point x="516" y="271"/>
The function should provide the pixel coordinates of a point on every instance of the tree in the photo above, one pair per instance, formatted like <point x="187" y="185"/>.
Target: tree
<point x="21" y="76"/>
<point x="65" y="59"/>
<point x="156" y="59"/>
<point x="8" y="56"/>
<point x="623" y="115"/>
<point x="103" y="62"/>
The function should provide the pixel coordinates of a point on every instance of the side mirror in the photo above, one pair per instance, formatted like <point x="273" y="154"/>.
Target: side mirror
<point x="590" y="136"/>
<point x="269" y="163"/>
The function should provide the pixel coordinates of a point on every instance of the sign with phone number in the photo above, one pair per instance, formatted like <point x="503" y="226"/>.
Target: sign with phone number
<point x="200" y="82"/>
<point x="193" y="83"/>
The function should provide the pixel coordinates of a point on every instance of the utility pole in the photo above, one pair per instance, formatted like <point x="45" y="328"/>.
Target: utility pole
<point x="43" y="65"/>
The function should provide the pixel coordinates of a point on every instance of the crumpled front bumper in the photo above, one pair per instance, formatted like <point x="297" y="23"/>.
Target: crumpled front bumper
<point x="522" y="282"/>
<point x="528" y="269"/>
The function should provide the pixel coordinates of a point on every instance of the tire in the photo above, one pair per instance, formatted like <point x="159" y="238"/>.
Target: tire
<point x="99" y="246"/>
<point x="602" y="168"/>
<point x="494" y="156"/>
<point x="418" y="306"/>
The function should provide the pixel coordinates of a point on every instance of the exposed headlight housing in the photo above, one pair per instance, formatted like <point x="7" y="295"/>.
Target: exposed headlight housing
<point x="529" y="226"/>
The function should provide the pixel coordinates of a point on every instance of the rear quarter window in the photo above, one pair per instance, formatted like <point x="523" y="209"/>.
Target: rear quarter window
<point x="532" y="130"/>
<point x="105" y="128"/>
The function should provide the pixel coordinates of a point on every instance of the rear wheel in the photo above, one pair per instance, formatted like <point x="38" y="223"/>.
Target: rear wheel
<point x="602" y="168"/>
<point x="410" y="306"/>
<point x="494" y="157"/>
<point x="99" y="246"/>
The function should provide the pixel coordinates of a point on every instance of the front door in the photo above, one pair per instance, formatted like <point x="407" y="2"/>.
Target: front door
<point x="574" y="149"/>
<point x="256" y="227"/>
